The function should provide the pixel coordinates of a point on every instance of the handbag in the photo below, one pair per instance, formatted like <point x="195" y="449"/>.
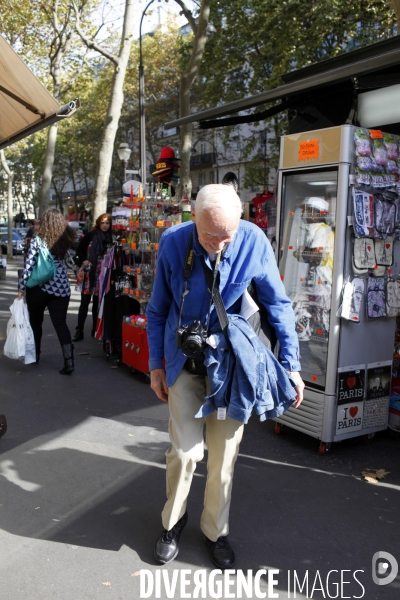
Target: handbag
<point x="44" y="268"/>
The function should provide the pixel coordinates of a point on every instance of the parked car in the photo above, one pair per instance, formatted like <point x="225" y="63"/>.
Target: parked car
<point x="22" y="231"/>
<point x="17" y="243"/>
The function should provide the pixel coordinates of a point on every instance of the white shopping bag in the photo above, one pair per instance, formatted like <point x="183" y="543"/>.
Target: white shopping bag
<point x="20" y="343"/>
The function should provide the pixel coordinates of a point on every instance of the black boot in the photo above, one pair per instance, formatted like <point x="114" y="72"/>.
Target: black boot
<point x="68" y="353"/>
<point x="78" y="334"/>
<point x="37" y="348"/>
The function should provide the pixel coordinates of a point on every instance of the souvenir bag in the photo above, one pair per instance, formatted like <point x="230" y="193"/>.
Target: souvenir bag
<point x="378" y="271"/>
<point x="384" y="251"/>
<point x="376" y="298"/>
<point x="364" y="254"/>
<point x="393" y="298"/>
<point x="397" y="219"/>
<point x="385" y="213"/>
<point x="363" y="220"/>
<point x="44" y="268"/>
<point x="353" y="293"/>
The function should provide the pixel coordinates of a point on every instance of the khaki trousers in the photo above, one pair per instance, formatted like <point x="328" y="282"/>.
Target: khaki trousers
<point x="223" y="437"/>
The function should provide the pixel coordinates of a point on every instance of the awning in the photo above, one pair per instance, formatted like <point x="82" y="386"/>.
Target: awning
<point x="380" y="57"/>
<point x="25" y="104"/>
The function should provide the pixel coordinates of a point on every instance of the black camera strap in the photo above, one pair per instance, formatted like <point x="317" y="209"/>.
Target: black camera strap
<point x="212" y="278"/>
<point x="187" y="271"/>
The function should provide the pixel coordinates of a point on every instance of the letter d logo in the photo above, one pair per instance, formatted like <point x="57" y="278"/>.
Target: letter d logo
<point x="380" y="568"/>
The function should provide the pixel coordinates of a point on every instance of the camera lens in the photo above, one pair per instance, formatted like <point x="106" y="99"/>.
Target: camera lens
<point x="192" y="346"/>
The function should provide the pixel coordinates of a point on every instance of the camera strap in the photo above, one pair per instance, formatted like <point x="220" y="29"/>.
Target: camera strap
<point x="211" y="279"/>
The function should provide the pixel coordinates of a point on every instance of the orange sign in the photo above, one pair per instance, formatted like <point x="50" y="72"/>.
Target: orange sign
<point x="376" y="134"/>
<point x="308" y="150"/>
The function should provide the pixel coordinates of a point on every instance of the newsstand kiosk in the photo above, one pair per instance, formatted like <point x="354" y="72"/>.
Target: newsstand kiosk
<point x="338" y="227"/>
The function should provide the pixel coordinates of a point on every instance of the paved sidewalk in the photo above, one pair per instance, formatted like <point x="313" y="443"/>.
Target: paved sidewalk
<point x="83" y="480"/>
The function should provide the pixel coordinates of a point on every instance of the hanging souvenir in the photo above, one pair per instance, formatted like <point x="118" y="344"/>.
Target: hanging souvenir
<point x="376" y="297"/>
<point x="393" y="298"/>
<point x="352" y="298"/>
<point x="384" y="251"/>
<point x="385" y="213"/>
<point x="364" y="253"/>
<point x="363" y="221"/>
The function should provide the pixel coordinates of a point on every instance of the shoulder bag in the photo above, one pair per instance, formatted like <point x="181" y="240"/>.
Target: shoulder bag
<point x="44" y="268"/>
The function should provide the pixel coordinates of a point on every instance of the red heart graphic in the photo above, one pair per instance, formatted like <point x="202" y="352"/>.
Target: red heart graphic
<point x="353" y="411"/>
<point x="387" y="246"/>
<point x="369" y="248"/>
<point x="351" y="382"/>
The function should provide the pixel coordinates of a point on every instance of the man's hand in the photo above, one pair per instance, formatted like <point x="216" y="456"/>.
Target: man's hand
<point x="20" y="295"/>
<point x="158" y="384"/>
<point x="295" y="375"/>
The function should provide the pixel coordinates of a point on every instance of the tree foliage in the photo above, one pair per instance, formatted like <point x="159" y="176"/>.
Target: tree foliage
<point x="257" y="41"/>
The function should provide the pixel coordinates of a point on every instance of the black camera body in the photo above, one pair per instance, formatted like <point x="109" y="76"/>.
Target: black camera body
<point x="191" y="339"/>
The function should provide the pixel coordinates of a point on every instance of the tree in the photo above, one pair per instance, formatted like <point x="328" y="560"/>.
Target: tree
<point x="119" y="62"/>
<point x="257" y="41"/>
<point x="162" y="52"/>
<point x="45" y="37"/>
<point x="189" y="74"/>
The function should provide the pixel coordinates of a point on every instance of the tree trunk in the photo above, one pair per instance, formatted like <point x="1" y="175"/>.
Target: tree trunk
<point x="188" y="76"/>
<point x="396" y="8"/>
<point x="9" y="203"/>
<point x="48" y="168"/>
<point x="113" y="115"/>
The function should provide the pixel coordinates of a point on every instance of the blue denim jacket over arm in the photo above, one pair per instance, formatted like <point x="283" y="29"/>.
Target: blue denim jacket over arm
<point x="245" y="376"/>
<point x="248" y="257"/>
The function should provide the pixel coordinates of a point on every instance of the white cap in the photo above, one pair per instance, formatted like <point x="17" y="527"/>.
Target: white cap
<point x="316" y="202"/>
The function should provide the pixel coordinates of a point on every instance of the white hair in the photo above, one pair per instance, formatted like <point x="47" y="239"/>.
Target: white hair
<point x="217" y="196"/>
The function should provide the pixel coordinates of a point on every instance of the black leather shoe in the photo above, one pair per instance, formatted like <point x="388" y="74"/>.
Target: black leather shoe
<point x="167" y="545"/>
<point x="78" y="335"/>
<point x="222" y="554"/>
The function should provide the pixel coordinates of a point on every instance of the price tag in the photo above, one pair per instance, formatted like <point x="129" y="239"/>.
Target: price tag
<point x="221" y="413"/>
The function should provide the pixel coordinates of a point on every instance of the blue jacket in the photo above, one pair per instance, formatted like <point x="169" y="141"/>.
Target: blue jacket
<point x="247" y="378"/>
<point x="248" y="257"/>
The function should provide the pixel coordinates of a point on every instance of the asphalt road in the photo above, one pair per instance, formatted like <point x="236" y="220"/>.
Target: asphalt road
<point x="83" y="481"/>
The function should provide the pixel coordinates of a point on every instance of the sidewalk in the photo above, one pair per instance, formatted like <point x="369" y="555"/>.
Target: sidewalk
<point x="83" y="485"/>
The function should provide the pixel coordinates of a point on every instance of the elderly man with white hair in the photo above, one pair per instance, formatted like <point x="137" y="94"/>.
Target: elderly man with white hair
<point x="220" y="250"/>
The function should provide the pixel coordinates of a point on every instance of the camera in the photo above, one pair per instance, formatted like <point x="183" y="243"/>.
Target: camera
<point x="191" y="339"/>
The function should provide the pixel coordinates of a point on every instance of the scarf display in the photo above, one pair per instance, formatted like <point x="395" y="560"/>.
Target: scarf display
<point x="101" y="241"/>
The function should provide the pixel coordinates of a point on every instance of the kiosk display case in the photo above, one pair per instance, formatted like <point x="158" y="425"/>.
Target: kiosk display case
<point x="339" y="267"/>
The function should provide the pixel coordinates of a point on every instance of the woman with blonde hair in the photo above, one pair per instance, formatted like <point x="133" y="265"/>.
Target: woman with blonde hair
<point x="55" y="293"/>
<point x="92" y="247"/>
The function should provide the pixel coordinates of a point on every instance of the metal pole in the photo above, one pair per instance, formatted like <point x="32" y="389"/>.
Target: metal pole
<point x="142" y="117"/>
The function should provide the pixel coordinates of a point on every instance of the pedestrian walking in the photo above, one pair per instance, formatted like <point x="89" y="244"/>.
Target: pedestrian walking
<point x="218" y="251"/>
<point x="55" y="293"/>
<point x="90" y="252"/>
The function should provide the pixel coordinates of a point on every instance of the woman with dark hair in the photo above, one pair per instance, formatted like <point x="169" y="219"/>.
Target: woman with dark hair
<point x="92" y="247"/>
<point x="55" y="293"/>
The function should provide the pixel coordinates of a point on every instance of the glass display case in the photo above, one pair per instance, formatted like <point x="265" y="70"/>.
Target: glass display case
<point x="308" y="214"/>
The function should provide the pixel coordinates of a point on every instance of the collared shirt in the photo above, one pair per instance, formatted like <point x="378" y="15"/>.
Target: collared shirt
<point x="248" y="257"/>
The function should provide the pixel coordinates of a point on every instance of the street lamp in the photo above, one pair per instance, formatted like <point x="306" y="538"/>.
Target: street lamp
<point x="142" y="118"/>
<point x="194" y="151"/>
<point x="124" y="153"/>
